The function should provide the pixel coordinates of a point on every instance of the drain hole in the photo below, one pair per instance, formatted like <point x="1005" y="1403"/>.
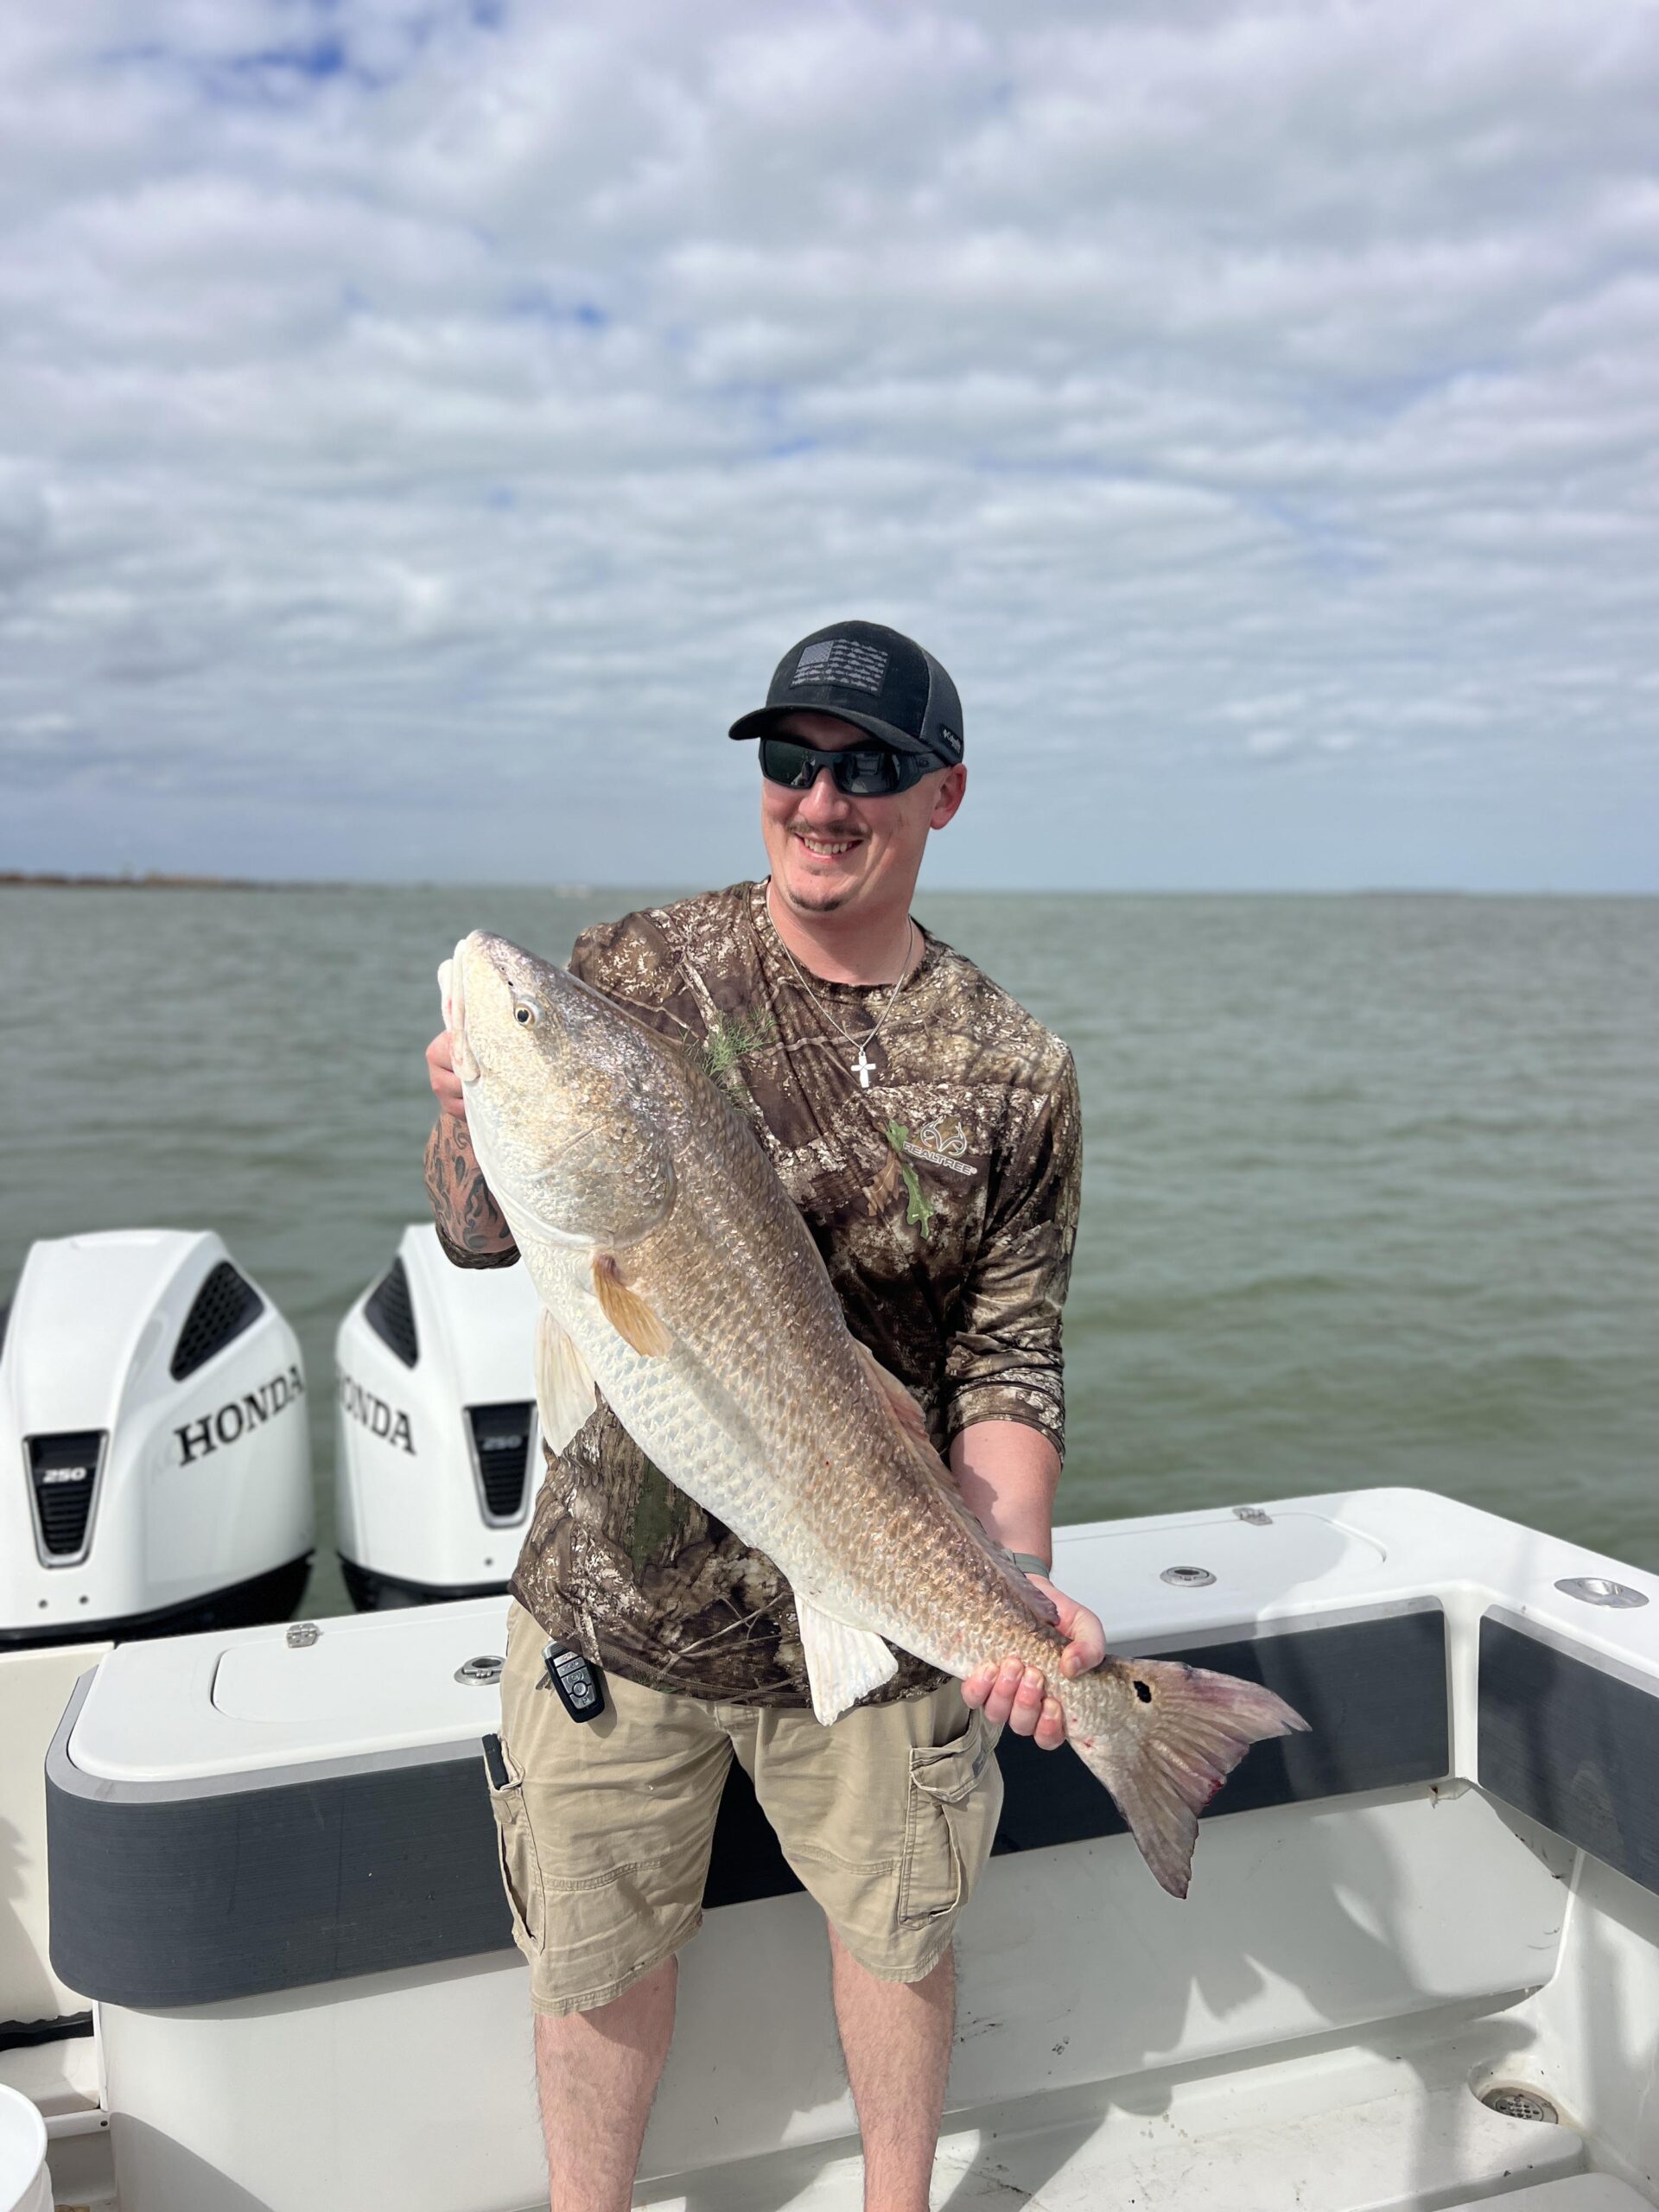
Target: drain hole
<point x="1518" y="2104"/>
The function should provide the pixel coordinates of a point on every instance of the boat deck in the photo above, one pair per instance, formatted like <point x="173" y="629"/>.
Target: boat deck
<point x="1346" y="2131"/>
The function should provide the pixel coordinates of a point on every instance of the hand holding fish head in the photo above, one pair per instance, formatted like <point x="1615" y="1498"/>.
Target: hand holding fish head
<point x="560" y="1098"/>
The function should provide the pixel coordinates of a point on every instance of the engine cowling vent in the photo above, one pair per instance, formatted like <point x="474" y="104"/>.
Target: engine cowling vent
<point x="501" y="1436"/>
<point x="227" y="1304"/>
<point x="63" y="1473"/>
<point x="390" y="1312"/>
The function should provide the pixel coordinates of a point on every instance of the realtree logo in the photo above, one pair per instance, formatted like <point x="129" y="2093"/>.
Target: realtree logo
<point x="198" y="1438"/>
<point x="376" y="1415"/>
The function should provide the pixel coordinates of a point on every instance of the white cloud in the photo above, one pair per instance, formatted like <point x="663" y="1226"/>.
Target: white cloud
<point x="1267" y="384"/>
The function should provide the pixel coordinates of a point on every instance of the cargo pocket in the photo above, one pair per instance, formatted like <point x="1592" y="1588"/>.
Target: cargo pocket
<point x="516" y="1852"/>
<point x="948" y="1824"/>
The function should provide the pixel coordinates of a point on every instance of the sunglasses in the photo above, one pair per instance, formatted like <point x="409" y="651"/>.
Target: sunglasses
<point x="860" y="771"/>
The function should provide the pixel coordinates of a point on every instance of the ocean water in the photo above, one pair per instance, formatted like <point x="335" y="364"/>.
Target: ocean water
<point x="1371" y="1186"/>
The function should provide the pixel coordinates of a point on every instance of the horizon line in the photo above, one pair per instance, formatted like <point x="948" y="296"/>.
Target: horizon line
<point x="171" y="879"/>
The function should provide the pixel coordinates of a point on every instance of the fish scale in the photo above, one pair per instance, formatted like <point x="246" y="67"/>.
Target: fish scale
<point x="677" y="1277"/>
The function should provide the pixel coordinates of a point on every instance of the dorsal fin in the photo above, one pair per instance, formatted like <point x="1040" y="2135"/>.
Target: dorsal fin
<point x="626" y="1312"/>
<point x="911" y="1417"/>
<point x="908" y="1423"/>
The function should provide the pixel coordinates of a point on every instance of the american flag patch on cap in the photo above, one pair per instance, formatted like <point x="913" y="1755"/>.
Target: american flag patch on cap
<point x="841" y="661"/>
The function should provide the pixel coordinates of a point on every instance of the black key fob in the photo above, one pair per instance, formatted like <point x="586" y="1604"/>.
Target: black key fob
<point x="580" y="1686"/>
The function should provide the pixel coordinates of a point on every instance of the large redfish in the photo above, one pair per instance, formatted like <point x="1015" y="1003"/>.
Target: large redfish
<point x="677" y="1276"/>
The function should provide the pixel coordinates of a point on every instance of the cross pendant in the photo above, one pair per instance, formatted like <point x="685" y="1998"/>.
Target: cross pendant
<point x="863" y="1068"/>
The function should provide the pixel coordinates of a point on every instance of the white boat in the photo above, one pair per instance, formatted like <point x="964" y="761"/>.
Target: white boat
<point x="1419" y="1967"/>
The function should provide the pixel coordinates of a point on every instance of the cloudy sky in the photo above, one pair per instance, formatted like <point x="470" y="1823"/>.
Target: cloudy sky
<point x="421" y="428"/>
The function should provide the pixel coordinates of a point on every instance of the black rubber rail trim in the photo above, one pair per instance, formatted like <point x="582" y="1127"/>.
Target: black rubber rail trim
<point x="28" y="2035"/>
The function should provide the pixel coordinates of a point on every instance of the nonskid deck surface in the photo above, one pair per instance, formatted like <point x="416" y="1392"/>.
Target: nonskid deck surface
<point x="1347" y="2132"/>
<point x="970" y="2178"/>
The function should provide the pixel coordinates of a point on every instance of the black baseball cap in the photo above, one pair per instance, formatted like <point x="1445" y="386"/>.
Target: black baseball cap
<point x="872" y="676"/>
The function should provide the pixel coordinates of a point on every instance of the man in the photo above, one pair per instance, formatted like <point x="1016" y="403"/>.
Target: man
<point x="928" y="1129"/>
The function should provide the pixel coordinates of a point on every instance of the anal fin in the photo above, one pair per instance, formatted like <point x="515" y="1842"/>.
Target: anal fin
<point x="843" y="1664"/>
<point x="626" y="1312"/>
<point x="564" y="1383"/>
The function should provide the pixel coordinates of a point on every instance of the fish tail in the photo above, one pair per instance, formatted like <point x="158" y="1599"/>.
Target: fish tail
<point x="1163" y="1737"/>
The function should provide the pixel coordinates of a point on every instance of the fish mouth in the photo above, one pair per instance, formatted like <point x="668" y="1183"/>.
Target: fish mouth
<point x="457" y="1007"/>
<point x="491" y="961"/>
<point x="452" y="978"/>
<point x="452" y="982"/>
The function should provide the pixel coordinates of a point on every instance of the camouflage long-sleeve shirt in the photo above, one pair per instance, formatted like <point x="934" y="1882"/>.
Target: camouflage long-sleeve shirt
<point x="945" y="1200"/>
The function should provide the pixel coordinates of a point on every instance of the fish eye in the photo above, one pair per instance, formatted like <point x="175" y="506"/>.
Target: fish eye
<point x="525" y="1015"/>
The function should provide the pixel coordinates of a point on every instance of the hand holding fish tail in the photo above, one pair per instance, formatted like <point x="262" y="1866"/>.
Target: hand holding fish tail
<point x="1016" y="1695"/>
<point x="1008" y="1474"/>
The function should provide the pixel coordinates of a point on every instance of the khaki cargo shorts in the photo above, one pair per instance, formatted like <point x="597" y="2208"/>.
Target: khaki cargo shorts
<point x="887" y="1817"/>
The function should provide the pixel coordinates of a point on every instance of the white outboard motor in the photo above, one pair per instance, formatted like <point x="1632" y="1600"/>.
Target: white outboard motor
<point x="436" y="1454"/>
<point x="153" y="1433"/>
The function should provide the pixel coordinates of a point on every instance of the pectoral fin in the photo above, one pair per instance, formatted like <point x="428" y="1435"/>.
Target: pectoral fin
<point x="626" y="1312"/>
<point x="564" y="1385"/>
<point x="843" y="1664"/>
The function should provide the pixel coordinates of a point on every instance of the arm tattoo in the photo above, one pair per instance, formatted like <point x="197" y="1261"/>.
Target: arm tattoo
<point x="469" y="1221"/>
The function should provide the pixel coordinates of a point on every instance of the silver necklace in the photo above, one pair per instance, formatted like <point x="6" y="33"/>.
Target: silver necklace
<point x="863" y="1067"/>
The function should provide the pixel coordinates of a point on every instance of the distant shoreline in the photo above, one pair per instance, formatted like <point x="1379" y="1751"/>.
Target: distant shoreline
<point x="13" y="879"/>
